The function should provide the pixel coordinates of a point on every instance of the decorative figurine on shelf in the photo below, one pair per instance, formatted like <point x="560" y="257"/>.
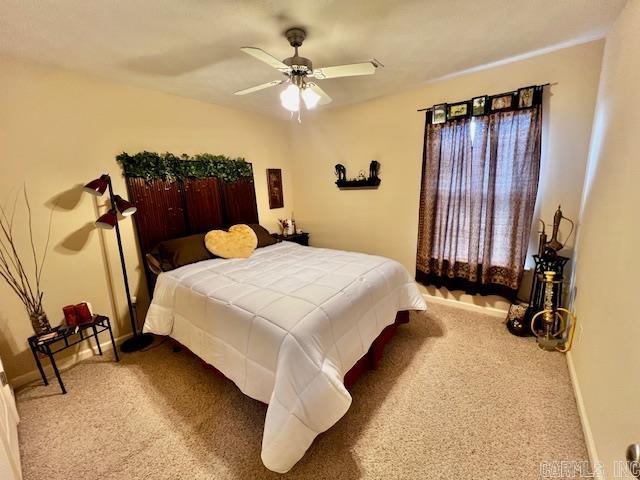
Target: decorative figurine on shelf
<point x="553" y="246"/>
<point x="361" y="175"/>
<point x="374" y="169"/>
<point x="555" y="322"/>
<point x="341" y="172"/>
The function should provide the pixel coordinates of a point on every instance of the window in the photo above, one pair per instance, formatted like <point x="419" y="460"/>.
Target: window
<point x="480" y="179"/>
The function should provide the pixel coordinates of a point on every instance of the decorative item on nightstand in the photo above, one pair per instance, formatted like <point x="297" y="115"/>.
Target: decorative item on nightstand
<point x="287" y="226"/>
<point x="283" y="223"/>
<point x="109" y="220"/>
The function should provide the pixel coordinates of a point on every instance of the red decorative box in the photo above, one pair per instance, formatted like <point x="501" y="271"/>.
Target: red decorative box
<point x="84" y="313"/>
<point x="77" y="314"/>
<point x="70" y="315"/>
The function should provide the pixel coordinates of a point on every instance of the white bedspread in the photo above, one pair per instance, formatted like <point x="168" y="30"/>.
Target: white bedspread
<point x="285" y="325"/>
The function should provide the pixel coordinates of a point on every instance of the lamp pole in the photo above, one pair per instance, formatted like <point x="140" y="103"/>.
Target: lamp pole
<point x="138" y="341"/>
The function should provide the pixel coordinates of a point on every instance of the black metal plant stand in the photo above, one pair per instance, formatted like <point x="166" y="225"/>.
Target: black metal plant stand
<point x="546" y="264"/>
<point x="50" y="347"/>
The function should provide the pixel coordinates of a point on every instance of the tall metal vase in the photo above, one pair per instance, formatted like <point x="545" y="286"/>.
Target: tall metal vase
<point x="40" y="322"/>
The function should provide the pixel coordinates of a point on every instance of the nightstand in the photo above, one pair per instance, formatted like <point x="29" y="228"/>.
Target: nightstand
<point x="299" y="238"/>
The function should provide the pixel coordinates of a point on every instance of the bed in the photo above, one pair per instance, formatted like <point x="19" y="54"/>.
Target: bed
<point x="290" y="325"/>
<point x="285" y="325"/>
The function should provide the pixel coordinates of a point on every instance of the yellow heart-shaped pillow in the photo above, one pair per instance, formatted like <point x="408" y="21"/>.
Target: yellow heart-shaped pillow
<point x="239" y="242"/>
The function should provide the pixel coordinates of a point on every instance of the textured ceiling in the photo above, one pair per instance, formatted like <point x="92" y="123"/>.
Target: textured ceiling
<point x="191" y="47"/>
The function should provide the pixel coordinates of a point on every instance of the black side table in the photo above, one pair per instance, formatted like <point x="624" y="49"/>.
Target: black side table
<point x="40" y="347"/>
<point x="300" y="238"/>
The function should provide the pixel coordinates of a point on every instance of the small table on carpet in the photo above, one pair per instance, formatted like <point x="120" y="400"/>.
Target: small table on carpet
<point x="43" y="347"/>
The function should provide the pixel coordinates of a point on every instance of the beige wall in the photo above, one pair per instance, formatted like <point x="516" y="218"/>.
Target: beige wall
<point x="389" y="130"/>
<point x="607" y="350"/>
<point x="59" y="130"/>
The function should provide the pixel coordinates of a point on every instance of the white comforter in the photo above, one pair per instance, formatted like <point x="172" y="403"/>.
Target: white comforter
<point x="285" y="325"/>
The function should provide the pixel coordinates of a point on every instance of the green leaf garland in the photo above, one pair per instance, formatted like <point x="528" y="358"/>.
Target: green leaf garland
<point x="167" y="166"/>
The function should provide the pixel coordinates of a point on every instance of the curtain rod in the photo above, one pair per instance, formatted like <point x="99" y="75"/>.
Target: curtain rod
<point x="496" y="95"/>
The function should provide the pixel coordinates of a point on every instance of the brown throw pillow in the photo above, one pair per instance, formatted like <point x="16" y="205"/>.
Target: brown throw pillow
<point x="178" y="252"/>
<point x="264" y="237"/>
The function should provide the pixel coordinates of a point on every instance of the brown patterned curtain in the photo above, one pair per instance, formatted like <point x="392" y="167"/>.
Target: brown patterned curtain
<point x="479" y="185"/>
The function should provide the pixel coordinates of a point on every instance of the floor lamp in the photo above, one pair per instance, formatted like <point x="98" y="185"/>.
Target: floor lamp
<point x="108" y="221"/>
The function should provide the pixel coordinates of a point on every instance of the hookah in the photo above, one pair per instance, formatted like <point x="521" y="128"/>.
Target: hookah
<point x="555" y="321"/>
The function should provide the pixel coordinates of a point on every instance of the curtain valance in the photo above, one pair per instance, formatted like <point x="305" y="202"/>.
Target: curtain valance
<point x="520" y="99"/>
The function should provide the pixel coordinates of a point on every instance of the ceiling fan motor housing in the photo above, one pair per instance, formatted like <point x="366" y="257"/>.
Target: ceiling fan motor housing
<point x="295" y="36"/>
<point x="299" y="65"/>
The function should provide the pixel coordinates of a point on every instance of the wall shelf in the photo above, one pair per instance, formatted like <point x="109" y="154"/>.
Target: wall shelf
<point x="362" y="184"/>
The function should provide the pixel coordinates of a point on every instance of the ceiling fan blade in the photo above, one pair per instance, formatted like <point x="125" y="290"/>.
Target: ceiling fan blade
<point x="259" y="87"/>
<point x="325" y="97"/>
<point x="266" y="58"/>
<point x="352" y="70"/>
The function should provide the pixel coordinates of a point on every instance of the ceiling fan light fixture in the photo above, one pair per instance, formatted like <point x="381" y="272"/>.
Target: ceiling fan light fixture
<point x="310" y="98"/>
<point x="290" y="98"/>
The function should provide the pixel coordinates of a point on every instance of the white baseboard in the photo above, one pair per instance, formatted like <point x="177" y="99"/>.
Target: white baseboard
<point x="495" y="312"/>
<point x="584" y="419"/>
<point x="88" y="350"/>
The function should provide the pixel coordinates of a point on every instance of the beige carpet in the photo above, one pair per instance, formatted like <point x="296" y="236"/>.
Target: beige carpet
<point x="457" y="397"/>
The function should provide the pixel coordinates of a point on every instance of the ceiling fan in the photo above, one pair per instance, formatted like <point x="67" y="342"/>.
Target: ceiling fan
<point x="300" y="74"/>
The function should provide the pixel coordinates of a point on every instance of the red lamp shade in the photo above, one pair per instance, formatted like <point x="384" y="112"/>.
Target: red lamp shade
<point x="125" y="207"/>
<point x="98" y="186"/>
<point x="108" y="220"/>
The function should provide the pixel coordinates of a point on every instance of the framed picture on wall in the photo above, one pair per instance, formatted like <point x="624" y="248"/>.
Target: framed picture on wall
<point x="479" y="106"/>
<point x="525" y="97"/>
<point x="274" y="187"/>
<point x="502" y="102"/>
<point x="439" y="113"/>
<point x="458" y="110"/>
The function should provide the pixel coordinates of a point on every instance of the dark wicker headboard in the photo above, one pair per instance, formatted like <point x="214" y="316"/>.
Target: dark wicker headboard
<point x="170" y="209"/>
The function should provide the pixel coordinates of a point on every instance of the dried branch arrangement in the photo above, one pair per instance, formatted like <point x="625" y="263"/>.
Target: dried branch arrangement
<point x="22" y="277"/>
